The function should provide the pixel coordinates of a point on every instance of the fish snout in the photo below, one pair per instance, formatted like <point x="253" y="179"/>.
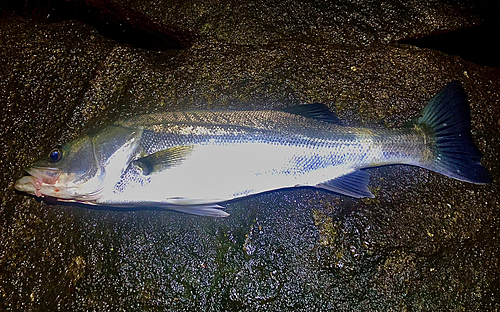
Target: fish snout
<point x="39" y="177"/>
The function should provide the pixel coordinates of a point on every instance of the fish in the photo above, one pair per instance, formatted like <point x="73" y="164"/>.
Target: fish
<point x="195" y="161"/>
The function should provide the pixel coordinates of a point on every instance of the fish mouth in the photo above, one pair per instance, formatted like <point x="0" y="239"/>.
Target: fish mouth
<point x="37" y="178"/>
<point x="45" y="174"/>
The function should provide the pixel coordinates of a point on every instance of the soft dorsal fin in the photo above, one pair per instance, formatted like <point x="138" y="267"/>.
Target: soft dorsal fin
<point x="164" y="159"/>
<point x="354" y="184"/>
<point x="316" y="111"/>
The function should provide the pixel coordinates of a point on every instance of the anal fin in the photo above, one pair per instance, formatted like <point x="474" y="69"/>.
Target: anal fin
<point x="212" y="210"/>
<point x="354" y="185"/>
<point x="316" y="111"/>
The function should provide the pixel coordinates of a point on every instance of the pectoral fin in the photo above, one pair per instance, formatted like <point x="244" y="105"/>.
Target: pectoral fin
<point x="164" y="159"/>
<point x="354" y="184"/>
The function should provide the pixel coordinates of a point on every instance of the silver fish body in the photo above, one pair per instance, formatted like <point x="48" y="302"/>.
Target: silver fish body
<point x="192" y="161"/>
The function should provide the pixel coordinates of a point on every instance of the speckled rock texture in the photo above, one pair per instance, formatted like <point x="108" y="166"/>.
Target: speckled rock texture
<point x="425" y="243"/>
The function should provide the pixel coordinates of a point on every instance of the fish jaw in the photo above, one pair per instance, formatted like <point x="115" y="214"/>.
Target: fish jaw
<point x="41" y="181"/>
<point x="29" y="185"/>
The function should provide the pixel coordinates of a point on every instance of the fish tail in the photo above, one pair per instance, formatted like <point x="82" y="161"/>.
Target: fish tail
<point x="448" y="116"/>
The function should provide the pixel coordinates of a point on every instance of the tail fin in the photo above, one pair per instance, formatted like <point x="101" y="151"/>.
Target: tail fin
<point x="448" y="115"/>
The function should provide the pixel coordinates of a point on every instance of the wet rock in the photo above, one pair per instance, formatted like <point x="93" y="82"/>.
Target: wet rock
<point x="425" y="242"/>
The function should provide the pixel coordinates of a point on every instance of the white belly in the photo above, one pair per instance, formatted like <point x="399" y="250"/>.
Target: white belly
<point x="212" y="174"/>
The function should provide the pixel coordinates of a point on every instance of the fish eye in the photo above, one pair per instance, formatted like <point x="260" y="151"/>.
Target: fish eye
<point x="55" y="154"/>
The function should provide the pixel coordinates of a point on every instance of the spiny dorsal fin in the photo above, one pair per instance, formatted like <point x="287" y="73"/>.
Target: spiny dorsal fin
<point x="316" y="111"/>
<point x="164" y="159"/>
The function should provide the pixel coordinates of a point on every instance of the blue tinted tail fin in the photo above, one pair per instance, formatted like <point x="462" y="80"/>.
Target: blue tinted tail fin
<point x="448" y="115"/>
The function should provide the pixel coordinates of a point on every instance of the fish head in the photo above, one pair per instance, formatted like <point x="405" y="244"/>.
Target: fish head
<point x="78" y="171"/>
<point x="65" y="173"/>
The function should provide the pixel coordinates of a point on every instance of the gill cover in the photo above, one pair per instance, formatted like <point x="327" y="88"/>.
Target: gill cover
<point x="114" y="148"/>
